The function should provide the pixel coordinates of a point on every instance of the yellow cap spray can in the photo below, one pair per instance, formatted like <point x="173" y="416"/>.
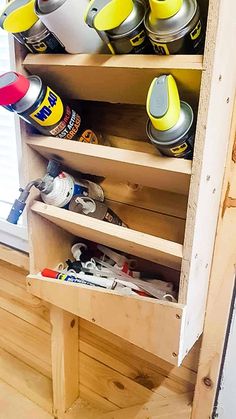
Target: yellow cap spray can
<point x="171" y="124"/>
<point x="120" y="24"/>
<point x="174" y="27"/>
<point x="19" y="18"/>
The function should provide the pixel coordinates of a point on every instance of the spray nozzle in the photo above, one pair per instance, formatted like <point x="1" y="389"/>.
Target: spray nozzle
<point x="105" y="15"/>
<point x="164" y="9"/>
<point x="44" y="184"/>
<point x="13" y="87"/>
<point x="163" y="103"/>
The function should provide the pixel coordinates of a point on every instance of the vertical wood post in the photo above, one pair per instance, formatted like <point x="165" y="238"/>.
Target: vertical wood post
<point x="65" y="369"/>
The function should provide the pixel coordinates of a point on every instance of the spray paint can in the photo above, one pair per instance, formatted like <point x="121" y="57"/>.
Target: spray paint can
<point x="174" y="27"/>
<point x="94" y="209"/>
<point x="61" y="190"/>
<point x="171" y="127"/>
<point x="120" y="24"/>
<point x="19" y="18"/>
<point x="40" y="106"/>
<point x="65" y="19"/>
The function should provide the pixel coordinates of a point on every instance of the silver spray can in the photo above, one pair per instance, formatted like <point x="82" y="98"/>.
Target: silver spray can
<point x="171" y="124"/>
<point x="175" y="27"/>
<point x="65" y="18"/>
<point x="43" y="108"/>
<point x="19" y="18"/>
<point x="120" y="26"/>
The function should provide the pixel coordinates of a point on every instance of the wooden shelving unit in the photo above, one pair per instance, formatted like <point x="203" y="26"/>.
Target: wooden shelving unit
<point x="113" y="92"/>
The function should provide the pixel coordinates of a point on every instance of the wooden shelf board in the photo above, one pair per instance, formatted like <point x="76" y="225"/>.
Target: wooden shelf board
<point x="192" y="62"/>
<point x="118" y="314"/>
<point x="117" y="79"/>
<point x="148" y="247"/>
<point x="146" y="169"/>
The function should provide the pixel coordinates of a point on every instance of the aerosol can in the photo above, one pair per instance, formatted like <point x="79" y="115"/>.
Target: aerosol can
<point x="171" y="127"/>
<point x="57" y="188"/>
<point x="174" y="27"/>
<point x="120" y="24"/>
<point x="65" y="18"/>
<point x="40" y="106"/>
<point x="19" y="18"/>
<point x="95" y="209"/>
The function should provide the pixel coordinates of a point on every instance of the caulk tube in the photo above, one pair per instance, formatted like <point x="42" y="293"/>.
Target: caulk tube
<point x="171" y="127"/>
<point x="95" y="209"/>
<point x="65" y="18"/>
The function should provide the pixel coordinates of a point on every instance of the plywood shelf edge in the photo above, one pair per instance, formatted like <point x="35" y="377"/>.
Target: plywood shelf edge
<point x="130" y="241"/>
<point x="194" y="62"/>
<point x="147" y="169"/>
<point x="119" y="314"/>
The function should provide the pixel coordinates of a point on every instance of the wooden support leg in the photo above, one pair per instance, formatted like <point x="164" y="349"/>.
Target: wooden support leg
<point x="65" y="371"/>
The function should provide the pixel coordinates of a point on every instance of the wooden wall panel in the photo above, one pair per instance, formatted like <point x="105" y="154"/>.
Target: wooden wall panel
<point x="113" y="373"/>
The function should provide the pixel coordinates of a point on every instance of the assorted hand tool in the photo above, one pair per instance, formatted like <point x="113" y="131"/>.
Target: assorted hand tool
<point x="99" y="266"/>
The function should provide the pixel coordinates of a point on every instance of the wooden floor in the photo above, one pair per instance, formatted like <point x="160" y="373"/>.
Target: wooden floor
<point x="13" y="404"/>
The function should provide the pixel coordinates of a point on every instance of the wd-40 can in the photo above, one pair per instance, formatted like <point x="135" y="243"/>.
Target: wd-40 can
<point x="174" y="27"/>
<point x="61" y="190"/>
<point x="171" y="127"/>
<point x="65" y="18"/>
<point x="39" y="105"/>
<point x="120" y="24"/>
<point x="19" y="18"/>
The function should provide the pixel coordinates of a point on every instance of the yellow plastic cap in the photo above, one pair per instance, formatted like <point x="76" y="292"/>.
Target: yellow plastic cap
<point x="163" y="9"/>
<point x="163" y="103"/>
<point x="21" y="16"/>
<point x="110" y="14"/>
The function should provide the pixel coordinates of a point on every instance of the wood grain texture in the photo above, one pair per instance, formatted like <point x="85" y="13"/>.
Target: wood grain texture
<point x="178" y="406"/>
<point x="213" y="130"/>
<point x="148" y="198"/>
<point x="165" y="252"/>
<point x="220" y="294"/>
<point x="150" y="170"/>
<point x="122" y="79"/>
<point x="28" y="342"/>
<point x="149" y="222"/>
<point x="26" y="380"/>
<point x="140" y="366"/>
<point x="96" y="305"/>
<point x="65" y="366"/>
<point x="11" y="401"/>
<point x="15" y="257"/>
<point x="132" y="356"/>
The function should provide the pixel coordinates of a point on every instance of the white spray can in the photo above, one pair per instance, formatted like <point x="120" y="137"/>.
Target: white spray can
<point x="65" y="19"/>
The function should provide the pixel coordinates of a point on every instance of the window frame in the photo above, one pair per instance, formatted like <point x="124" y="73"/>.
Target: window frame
<point x="10" y="234"/>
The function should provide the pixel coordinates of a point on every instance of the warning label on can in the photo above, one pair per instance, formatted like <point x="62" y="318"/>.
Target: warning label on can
<point x="50" y="110"/>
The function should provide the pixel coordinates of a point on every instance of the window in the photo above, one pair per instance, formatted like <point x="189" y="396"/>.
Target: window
<point x="10" y="156"/>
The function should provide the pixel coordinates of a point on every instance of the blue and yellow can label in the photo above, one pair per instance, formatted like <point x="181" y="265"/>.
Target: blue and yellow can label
<point x="50" y="110"/>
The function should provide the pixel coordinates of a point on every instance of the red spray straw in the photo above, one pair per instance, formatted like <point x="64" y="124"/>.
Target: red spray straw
<point x="13" y="87"/>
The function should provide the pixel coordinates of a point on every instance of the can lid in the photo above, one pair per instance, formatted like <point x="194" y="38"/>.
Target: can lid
<point x="18" y="16"/>
<point x="13" y="87"/>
